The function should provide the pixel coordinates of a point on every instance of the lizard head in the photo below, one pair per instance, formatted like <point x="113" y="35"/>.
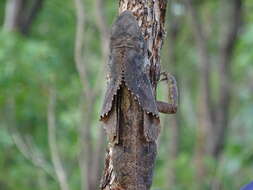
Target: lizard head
<point x="125" y="31"/>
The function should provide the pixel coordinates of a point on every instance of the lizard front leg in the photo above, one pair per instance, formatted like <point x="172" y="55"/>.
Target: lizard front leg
<point x="171" y="106"/>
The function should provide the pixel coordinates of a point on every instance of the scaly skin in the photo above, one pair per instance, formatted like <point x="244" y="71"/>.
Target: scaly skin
<point x="128" y="65"/>
<point x="133" y="150"/>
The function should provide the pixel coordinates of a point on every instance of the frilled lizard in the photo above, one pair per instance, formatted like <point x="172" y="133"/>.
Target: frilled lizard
<point x="131" y="152"/>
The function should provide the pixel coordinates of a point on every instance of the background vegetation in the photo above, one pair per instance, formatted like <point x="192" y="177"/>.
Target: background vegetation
<point x="50" y="136"/>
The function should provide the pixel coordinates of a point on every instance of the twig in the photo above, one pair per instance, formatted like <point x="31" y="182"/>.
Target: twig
<point x="79" y="43"/>
<point x="25" y="148"/>
<point x="34" y="158"/>
<point x="61" y="174"/>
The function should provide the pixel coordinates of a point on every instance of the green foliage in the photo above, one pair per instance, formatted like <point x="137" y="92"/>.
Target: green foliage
<point x="30" y="66"/>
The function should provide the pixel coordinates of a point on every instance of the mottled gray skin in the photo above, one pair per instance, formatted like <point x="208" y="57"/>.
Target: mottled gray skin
<point x="129" y="112"/>
<point x="127" y="64"/>
<point x="134" y="157"/>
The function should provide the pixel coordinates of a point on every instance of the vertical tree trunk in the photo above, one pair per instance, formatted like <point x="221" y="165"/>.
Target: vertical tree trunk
<point x="19" y="15"/>
<point x="133" y="151"/>
<point x="12" y="12"/>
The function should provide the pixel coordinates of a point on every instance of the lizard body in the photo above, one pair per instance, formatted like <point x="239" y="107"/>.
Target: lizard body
<point x="132" y="134"/>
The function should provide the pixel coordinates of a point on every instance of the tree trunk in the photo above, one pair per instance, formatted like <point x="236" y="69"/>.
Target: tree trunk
<point x="133" y="151"/>
<point x="19" y="15"/>
<point x="12" y="12"/>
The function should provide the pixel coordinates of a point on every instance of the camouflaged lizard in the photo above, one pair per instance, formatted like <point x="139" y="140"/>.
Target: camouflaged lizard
<point x="131" y="147"/>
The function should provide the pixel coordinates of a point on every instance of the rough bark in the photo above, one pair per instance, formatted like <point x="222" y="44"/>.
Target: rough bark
<point x="129" y="164"/>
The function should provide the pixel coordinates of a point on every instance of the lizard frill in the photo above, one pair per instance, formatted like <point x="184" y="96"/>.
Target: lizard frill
<point x="127" y="65"/>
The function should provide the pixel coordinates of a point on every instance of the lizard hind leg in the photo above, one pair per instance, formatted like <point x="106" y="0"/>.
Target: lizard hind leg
<point x="111" y="122"/>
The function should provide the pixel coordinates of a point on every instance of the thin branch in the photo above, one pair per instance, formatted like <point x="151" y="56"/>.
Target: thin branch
<point x="102" y="25"/>
<point x="79" y="43"/>
<point x="174" y="29"/>
<point x="86" y="154"/>
<point x="98" y="155"/>
<point x="201" y="40"/>
<point x="31" y="155"/>
<point x="25" y="148"/>
<point x="85" y="158"/>
<point x="104" y="39"/>
<point x="229" y="37"/>
<point x="59" y="170"/>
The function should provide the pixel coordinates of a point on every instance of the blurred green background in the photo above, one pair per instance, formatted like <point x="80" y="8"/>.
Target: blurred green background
<point x="50" y="136"/>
